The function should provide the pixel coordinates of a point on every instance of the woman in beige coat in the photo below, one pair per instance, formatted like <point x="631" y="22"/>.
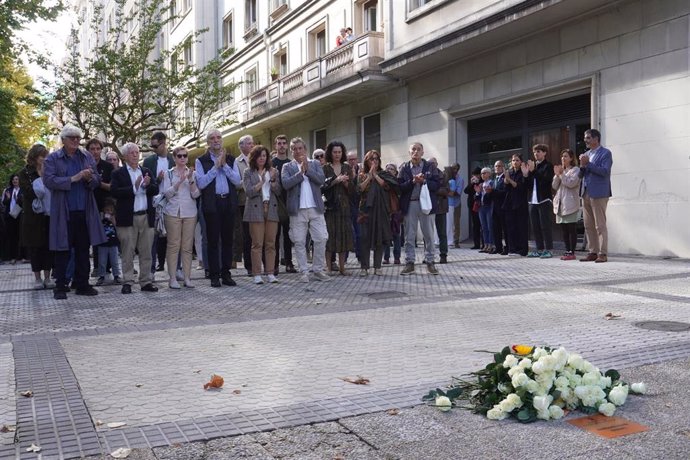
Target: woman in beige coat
<point x="566" y="202"/>
<point x="262" y="188"/>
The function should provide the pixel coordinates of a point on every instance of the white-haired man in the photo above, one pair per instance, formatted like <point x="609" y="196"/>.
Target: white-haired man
<point x="303" y="178"/>
<point x="242" y="245"/>
<point x="70" y="174"/>
<point x="217" y="176"/>
<point x="134" y="187"/>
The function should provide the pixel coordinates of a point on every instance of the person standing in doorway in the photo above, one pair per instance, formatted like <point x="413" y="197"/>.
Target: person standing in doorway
<point x="539" y="179"/>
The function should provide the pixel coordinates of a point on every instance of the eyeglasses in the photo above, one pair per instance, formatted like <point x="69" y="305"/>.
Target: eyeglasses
<point x="74" y="138"/>
<point x="318" y="156"/>
<point x="182" y="155"/>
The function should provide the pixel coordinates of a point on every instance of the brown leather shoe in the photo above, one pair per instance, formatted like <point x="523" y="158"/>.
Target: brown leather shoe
<point x="601" y="259"/>
<point x="591" y="257"/>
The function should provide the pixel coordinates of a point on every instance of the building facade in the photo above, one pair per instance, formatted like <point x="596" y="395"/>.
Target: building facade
<point x="474" y="81"/>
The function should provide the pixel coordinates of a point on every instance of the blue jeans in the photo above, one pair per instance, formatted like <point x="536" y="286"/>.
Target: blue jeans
<point x="108" y="254"/>
<point x="486" y="219"/>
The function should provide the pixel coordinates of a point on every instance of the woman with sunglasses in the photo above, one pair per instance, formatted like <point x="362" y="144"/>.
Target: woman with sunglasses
<point x="337" y="190"/>
<point x="374" y="184"/>
<point x="180" y="217"/>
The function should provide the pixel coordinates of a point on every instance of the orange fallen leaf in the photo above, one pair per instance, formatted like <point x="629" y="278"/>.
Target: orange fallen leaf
<point x="393" y="411"/>
<point x="216" y="382"/>
<point x="610" y="316"/>
<point x="236" y="392"/>
<point x="358" y="381"/>
<point x="27" y="394"/>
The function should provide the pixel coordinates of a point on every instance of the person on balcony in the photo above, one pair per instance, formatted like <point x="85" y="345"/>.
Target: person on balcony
<point x="341" y="39"/>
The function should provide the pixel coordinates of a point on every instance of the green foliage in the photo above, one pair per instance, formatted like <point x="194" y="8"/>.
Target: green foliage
<point x="127" y="87"/>
<point x="15" y="15"/>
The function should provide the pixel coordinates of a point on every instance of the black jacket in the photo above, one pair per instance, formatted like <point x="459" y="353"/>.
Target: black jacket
<point x="122" y="190"/>
<point x="543" y="172"/>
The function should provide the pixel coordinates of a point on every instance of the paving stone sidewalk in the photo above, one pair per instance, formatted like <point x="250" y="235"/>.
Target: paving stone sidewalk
<point x="284" y="351"/>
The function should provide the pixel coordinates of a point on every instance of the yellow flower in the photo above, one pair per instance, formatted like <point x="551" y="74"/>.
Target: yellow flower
<point x="522" y="349"/>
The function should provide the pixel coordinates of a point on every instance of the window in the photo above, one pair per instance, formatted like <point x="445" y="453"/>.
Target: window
<point x="173" y="12"/>
<point x="173" y="63"/>
<point x="250" y="15"/>
<point x="186" y="6"/>
<point x="228" y="31"/>
<point x="187" y="54"/>
<point x="250" y="82"/>
<point x="275" y="4"/>
<point x="319" y="139"/>
<point x="280" y="62"/>
<point x="370" y="16"/>
<point x="317" y="42"/>
<point x="188" y="111"/>
<point x="371" y="132"/>
<point x="414" y="4"/>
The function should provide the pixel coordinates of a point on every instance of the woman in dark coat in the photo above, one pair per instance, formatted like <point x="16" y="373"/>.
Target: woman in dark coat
<point x="515" y="206"/>
<point x="34" y="225"/>
<point x="337" y="189"/>
<point x="11" y="198"/>
<point x="374" y="185"/>
<point x="472" y="198"/>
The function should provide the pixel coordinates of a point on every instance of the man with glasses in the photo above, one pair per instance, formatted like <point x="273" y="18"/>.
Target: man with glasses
<point x="217" y="176"/>
<point x="412" y="176"/>
<point x="242" y="246"/>
<point x="159" y="164"/>
<point x="70" y="174"/>
<point x="303" y="178"/>
<point x="134" y="187"/>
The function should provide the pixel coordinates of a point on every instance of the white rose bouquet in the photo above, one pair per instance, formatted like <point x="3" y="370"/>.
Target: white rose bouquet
<point x="532" y="383"/>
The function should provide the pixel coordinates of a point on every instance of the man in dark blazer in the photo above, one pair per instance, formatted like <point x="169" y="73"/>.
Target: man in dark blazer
<point x="595" y="171"/>
<point x="159" y="164"/>
<point x="303" y="178"/>
<point x="217" y="176"/>
<point x="412" y="176"/>
<point x="498" y="198"/>
<point x="134" y="187"/>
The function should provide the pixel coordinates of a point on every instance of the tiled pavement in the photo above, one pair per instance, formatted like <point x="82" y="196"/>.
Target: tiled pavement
<point x="283" y="349"/>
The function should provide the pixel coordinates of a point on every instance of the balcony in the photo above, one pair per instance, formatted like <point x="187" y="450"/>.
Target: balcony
<point x="350" y="71"/>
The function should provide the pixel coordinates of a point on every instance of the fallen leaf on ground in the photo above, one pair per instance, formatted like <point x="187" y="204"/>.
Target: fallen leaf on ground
<point x="8" y="428"/>
<point x="115" y="424"/>
<point x="198" y="371"/>
<point x="236" y="392"/>
<point x="216" y="382"/>
<point x="27" y="393"/>
<point x="358" y="381"/>
<point x="33" y="448"/>
<point x="99" y="422"/>
<point x="393" y="411"/>
<point x="138" y="385"/>
<point x="122" y="452"/>
<point x="609" y="316"/>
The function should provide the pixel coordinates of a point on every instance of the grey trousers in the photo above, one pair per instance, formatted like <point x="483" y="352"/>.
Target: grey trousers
<point x="414" y="217"/>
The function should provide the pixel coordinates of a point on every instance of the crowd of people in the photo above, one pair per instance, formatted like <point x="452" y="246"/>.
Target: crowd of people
<point x="258" y="207"/>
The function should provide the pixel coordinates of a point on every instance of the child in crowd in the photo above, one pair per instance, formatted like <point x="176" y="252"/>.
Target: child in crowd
<point x="108" y="250"/>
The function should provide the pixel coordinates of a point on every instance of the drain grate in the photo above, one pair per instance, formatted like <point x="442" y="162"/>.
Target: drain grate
<point x="383" y="295"/>
<point x="665" y="326"/>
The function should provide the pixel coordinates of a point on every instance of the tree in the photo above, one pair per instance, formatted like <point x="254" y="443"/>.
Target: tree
<point x="126" y="88"/>
<point x="15" y="15"/>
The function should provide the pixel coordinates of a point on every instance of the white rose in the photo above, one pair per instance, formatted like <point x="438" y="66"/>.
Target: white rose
<point x="589" y="367"/>
<point x="561" y="382"/>
<point x="504" y="388"/>
<point x="561" y="357"/>
<point x="556" y="412"/>
<point x="591" y="378"/>
<point x="519" y="380"/>
<point x="618" y="394"/>
<point x="513" y="371"/>
<point x="607" y="409"/>
<point x="545" y="380"/>
<point x="496" y="413"/>
<point x="575" y="380"/>
<point x="531" y="386"/>
<point x="515" y="400"/>
<point x="538" y="367"/>
<point x="542" y="403"/>
<point x="510" y="361"/>
<point x="576" y="361"/>
<point x="543" y="414"/>
<point x="605" y="382"/>
<point x="539" y="352"/>
<point x="640" y="388"/>
<point x="443" y="403"/>
<point x="525" y="363"/>
<point x="590" y="395"/>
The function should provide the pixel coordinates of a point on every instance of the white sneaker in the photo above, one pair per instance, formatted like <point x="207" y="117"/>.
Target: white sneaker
<point x="174" y="284"/>
<point x="179" y="275"/>
<point x="49" y="283"/>
<point x="364" y="272"/>
<point x="272" y="278"/>
<point x="109" y="277"/>
<point x="188" y="284"/>
<point x="321" y="276"/>
<point x="378" y="272"/>
<point x="258" y="280"/>
<point x="304" y="278"/>
<point x="38" y="284"/>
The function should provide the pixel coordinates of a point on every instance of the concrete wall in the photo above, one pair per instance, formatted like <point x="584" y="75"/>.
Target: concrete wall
<point x="636" y="53"/>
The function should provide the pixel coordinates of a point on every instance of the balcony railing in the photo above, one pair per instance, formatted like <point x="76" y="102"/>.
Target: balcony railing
<point x="362" y="54"/>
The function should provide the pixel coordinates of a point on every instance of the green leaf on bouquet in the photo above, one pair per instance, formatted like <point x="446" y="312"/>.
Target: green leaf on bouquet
<point x="430" y="396"/>
<point x="614" y="374"/>
<point x="525" y="415"/>
<point x="505" y="352"/>
<point x="588" y="409"/>
<point x="454" y="393"/>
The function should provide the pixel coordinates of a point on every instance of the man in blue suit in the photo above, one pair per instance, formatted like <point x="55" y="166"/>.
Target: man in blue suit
<point x="595" y="171"/>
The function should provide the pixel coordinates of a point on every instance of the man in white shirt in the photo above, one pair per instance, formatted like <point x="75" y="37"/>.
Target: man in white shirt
<point x="303" y="178"/>
<point x="134" y="187"/>
<point x="242" y="244"/>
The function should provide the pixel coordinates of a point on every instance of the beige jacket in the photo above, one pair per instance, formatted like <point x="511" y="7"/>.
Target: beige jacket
<point x="567" y="192"/>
